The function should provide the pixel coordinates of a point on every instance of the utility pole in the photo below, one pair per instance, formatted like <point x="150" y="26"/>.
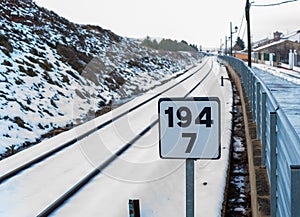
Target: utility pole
<point x="247" y="10"/>
<point x="231" y="32"/>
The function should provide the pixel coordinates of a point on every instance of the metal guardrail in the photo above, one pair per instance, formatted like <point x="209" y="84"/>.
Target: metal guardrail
<point x="280" y="142"/>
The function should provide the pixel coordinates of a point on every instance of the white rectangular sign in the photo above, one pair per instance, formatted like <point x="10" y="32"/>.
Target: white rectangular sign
<point x="189" y="128"/>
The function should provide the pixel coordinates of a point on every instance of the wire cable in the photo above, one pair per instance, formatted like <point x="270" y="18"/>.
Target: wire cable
<point x="244" y="33"/>
<point x="274" y="4"/>
<point x="242" y="21"/>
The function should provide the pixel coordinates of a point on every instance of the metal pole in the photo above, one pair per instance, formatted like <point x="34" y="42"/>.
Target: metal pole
<point x="230" y="38"/>
<point x="221" y="45"/>
<point x="258" y="100"/>
<point x="263" y="128"/>
<point x="251" y="92"/>
<point x="225" y="45"/>
<point x="189" y="187"/>
<point x="247" y="10"/>
<point x="295" y="190"/>
<point x="273" y="162"/>
<point x="253" y="96"/>
<point x="222" y="81"/>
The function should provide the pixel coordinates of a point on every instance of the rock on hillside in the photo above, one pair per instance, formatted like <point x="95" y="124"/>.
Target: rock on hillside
<point x="55" y="74"/>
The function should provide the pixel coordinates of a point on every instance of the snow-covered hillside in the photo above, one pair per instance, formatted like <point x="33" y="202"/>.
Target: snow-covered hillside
<point x="55" y="74"/>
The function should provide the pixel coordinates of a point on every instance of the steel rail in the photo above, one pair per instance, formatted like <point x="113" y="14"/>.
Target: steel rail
<point x="46" y="155"/>
<point x="84" y="181"/>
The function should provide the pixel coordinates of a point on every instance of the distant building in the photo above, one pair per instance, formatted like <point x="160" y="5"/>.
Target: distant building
<point x="278" y="49"/>
<point x="277" y="35"/>
<point x="241" y="55"/>
<point x="260" y="42"/>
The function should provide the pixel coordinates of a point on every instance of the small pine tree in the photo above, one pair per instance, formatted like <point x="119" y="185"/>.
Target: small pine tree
<point x="155" y="44"/>
<point x="194" y="47"/>
<point x="239" y="44"/>
<point x="169" y="45"/>
<point x="147" y="42"/>
<point x="184" y="42"/>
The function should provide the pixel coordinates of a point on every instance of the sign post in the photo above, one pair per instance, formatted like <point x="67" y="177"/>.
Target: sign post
<point x="189" y="168"/>
<point x="189" y="128"/>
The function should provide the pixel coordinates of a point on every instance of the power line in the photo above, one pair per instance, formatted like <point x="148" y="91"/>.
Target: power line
<point x="241" y="24"/>
<point x="274" y="4"/>
<point x="244" y="33"/>
<point x="242" y="28"/>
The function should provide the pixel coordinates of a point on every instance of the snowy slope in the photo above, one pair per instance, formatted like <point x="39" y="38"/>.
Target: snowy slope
<point x="55" y="74"/>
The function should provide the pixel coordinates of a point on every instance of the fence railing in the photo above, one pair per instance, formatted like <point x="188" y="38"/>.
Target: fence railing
<point x="280" y="142"/>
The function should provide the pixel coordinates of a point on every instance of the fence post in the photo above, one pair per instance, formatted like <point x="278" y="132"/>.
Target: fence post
<point x="250" y="90"/>
<point x="253" y="96"/>
<point x="258" y="110"/>
<point x="263" y="128"/>
<point x="246" y="81"/>
<point x="248" y="85"/>
<point x="295" y="190"/>
<point x="273" y="162"/>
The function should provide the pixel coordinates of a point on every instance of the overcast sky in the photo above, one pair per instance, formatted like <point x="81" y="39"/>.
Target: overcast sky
<point x="199" y="22"/>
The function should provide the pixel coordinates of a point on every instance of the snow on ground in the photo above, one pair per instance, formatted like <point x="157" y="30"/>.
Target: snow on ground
<point x="160" y="183"/>
<point x="285" y="87"/>
<point x="138" y="173"/>
<point x="55" y="74"/>
<point x="286" y="74"/>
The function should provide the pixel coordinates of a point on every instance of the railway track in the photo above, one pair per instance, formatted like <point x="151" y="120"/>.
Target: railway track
<point x="80" y="147"/>
<point x="118" y="153"/>
<point x="74" y="140"/>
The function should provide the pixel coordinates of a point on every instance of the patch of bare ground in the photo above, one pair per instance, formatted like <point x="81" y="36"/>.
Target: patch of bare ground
<point x="238" y="201"/>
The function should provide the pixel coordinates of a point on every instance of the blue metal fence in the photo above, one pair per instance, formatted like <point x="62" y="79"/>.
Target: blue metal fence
<point x="280" y="142"/>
